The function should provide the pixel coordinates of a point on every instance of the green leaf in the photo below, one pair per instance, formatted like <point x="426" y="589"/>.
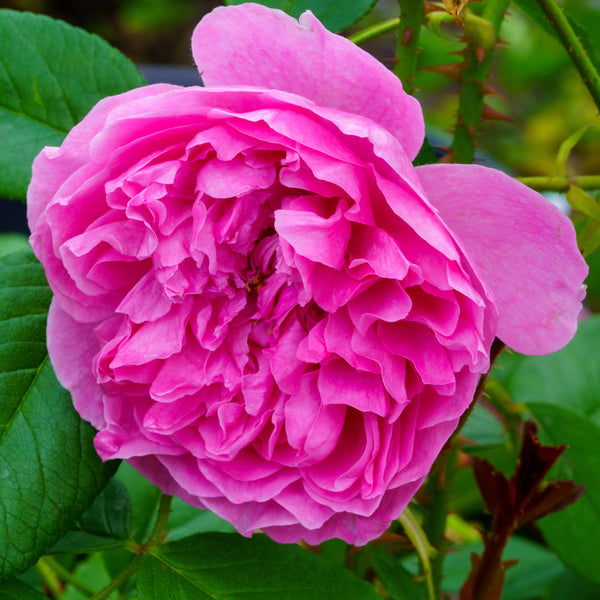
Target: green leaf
<point x="588" y="236"/>
<point x="110" y="513"/>
<point x="583" y="202"/>
<point x="49" y="470"/>
<point x="105" y="524"/>
<point x="398" y="582"/>
<point x="593" y="282"/>
<point x="573" y="533"/>
<point x="11" y="242"/>
<point x="228" y="566"/>
<point x="17" y="590"/>
<point x="426" y="156"/>
<point x="51" y="75"/>
<point x="334" y="14"/>
<point x="569" y="586"/>
<point x="144" y="496"/>
<point x="186" y="520"/>
<point x="483" y="428"/>
<point x="564" y="151"/>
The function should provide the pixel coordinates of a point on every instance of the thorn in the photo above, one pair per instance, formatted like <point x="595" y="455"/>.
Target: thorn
<point x="407" y="36"/>
<point x="492" y="114"/>
<point x="390" y="59"/>
<point x="452" y="71"/>
<point x="480" y="53"/>
<point x="488" y="90"/>
<point x="449" y="158"/>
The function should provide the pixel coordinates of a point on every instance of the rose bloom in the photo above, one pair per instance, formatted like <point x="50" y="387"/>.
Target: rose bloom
<point x="261" y="304"/>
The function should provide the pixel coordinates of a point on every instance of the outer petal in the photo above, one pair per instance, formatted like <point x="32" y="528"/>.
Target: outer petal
<point x="254" y="45"/>
<point x="524" y="247"/>
<point x="72" y="347"/>
<point x="52" y="166"/>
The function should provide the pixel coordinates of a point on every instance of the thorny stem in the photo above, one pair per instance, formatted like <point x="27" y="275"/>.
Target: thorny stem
<point x="561" y="184"/>
<point x="412" y="13"/>
<point x="437" y="513"/>
<point x="573" y="46"/>
<point x="481" y="36"/>
<point x="440" y="480"/>
<point x="156" y="539"/>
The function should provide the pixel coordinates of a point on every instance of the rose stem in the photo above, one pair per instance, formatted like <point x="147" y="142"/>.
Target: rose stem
<point x="440" y="480"/>
<point x="156" y="538"/>
<point x="424" y="549"/>
<point x="412" y="13"/>
<point x="480" y="36"/>
<point x="160" y="526"/>
<point x="579" y="57"/>
<point x="436" y="514"/>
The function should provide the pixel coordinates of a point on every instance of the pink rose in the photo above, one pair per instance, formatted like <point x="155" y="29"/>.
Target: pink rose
<point x="260" y="303"/>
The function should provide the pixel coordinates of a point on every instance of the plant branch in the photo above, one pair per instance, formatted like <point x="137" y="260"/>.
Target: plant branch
<point x="559" y="22"/>
<point x="160" y="526"/>
<point x="561" y="184"/>
<point x="480" y="35"/>
<point x="155" y="539"/>
<point x="373" y="31"/>
<point x="119" y="580"/>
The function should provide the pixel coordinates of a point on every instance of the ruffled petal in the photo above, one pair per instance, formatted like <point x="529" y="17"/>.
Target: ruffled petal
<point x="524" y="248"/>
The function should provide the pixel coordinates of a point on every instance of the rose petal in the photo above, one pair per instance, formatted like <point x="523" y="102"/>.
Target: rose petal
<point x="253" y="45"/>
<point x="319" y="239"/>
<point x="523" y="246"/>
<point x="72" y="347"/>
